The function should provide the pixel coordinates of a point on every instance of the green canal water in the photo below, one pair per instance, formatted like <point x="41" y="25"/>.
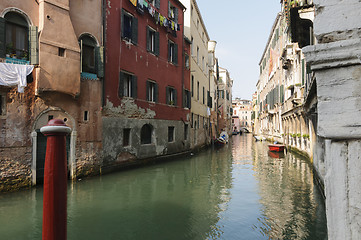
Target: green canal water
<point x="237" y="192"/>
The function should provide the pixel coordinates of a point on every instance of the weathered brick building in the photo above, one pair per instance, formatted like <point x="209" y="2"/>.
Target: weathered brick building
<point x="63" y="40"/>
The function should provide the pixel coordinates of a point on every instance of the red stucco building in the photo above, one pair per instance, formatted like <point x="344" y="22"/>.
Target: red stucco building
<point x="146" y="87"/>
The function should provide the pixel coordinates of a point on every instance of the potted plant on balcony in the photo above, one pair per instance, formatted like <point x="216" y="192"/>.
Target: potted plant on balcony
<point x="9" y="49"/>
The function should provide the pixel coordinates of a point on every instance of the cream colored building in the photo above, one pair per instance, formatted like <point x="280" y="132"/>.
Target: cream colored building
<point x="195" y="30"/>
<point x="225" y="84"/>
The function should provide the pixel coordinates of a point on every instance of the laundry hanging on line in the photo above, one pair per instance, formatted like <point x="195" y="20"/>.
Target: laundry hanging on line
<point x="14" y="74"/>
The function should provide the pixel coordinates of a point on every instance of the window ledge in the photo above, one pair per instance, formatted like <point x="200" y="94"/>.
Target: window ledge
<point x="88" y="76"/>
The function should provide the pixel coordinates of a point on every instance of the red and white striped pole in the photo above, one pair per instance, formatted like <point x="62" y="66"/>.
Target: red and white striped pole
<point x="55" y="181"/>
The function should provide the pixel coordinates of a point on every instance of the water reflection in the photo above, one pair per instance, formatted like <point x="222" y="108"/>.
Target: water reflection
<point x="236" y="192"/>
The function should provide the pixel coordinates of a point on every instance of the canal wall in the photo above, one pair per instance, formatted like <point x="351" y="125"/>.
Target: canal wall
<point x="336" y="64"/>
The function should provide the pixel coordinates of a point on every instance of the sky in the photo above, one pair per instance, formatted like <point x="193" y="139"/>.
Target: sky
<point x="241" y="29"/>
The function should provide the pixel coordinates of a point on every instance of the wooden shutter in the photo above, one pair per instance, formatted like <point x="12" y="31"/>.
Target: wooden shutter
<point x="33" y="45"/>
<point x="148" y="39"/>
<point x="99" y="50"/>
<point x="147" y="86"/>
<point x="175" y="53"/>
<point x="156" y="92"/>
<point x="156" y="43"/>
<point x="157" y="4"/>
<point x="134" y="87"/>
<point x="134" y="30"/>
<point x="121" y="85"/>
<point x="184" y="98"/>
<point x="2" y="38"/>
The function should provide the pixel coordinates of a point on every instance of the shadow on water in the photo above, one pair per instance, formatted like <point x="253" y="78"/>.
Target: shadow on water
<point x="236" y="192"/>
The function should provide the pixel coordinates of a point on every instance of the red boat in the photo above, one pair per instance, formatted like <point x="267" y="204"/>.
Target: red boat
<point x="276" y="147"/>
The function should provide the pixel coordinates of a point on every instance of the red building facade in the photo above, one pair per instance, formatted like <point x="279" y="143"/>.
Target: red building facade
<point x="146" y="88"/>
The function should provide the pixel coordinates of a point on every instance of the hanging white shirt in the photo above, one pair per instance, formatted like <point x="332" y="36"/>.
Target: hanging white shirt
<point x="14" y="74"/>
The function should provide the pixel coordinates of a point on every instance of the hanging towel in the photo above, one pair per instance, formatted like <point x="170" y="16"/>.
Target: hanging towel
<point x="14" y="74"/>
<point x="134" y="2"/>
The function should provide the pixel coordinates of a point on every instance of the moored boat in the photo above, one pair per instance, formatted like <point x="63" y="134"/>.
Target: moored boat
<point x="276" y="147"/>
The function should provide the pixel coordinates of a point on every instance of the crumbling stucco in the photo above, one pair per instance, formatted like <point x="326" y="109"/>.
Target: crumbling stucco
<point x="127" y="109"/>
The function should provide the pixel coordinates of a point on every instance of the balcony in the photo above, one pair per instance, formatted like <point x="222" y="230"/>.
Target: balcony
<point x="16" y="61"/>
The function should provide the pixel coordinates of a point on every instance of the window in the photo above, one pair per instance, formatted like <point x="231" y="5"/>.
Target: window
<point x="129" y="27"/>
<point x="203" y="96"/>
<point x="126" y="137"/>
<point x="185" y="131"/>
<point x="197" y="55"/>
<point x="86" y="116"/>
<point x="172" y="12"/>
<point x="155" y="3"/>
<point x="192" y="85"/>
<point x="88" y="48"/>
<point x="192" y="120"/>
<point x="61" y="52"/>
<point x="203" y="63"/>
<point x="152" y="41"/>
<point x="2" y="104"/>
<point x="187" y="99"/>
<point x="127" y="85"/>
<point x="146" y="134"/>
<point x="170" y="134"/>
<point x="197" y="90"/>
<point x="172" y="52"/>
<point x="186" y="60"/>
<point x="171" y="95"/>
<point x="192" y="52"/>
<point x="18" y="38"/>
<point x="152" y="91"/>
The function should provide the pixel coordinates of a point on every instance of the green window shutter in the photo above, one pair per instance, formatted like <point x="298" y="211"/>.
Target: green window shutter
<point x="147" y="86"/>
<point x="169" y="15"/>
<point x="157" y="43"/>
<point x="282" y="96"/>
<point x="176" y="53"/>
<point x="167" y="95"/>
<point x="157" y="4"/>
<point x="176" y="15"/>
<point x="33" y="45"/>
<point x="169" y="51"/>
<point x="121" y="85"/>
<point x="148" y="38"/>
<point x="2" y="38"/>
<point x="134" y="30"/>
<point x="156" y="92"/>
<point x="81" y="55"/>
<point x="122" y="23"/>
<point x="134" y="87"/>
<point x="303" y="71"/>
<point x="175" y="97"/>
<point x="189" y="100"/>
<point x="100" y="61"/>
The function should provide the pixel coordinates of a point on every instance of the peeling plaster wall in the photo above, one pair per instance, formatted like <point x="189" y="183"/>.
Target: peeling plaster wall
<point x="116" y="154"/>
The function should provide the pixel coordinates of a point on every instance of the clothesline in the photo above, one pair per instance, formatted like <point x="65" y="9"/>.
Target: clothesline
<point x="143" y="5"/>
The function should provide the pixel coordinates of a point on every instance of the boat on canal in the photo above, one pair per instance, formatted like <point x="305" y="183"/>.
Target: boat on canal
<point x="222" y="139"/>
<point x="276" y="147"/>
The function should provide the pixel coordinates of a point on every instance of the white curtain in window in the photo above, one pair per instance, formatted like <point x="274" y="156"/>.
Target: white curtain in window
<point x="14" y="74"/>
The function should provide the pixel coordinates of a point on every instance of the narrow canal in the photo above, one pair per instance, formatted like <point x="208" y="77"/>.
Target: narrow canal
<point x="237" y="192"/>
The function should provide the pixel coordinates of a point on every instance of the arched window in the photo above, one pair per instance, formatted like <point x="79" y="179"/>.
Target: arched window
<point x="16" y="36"/>
<point x="88" y="54"/>
<point x="146" y="134"/>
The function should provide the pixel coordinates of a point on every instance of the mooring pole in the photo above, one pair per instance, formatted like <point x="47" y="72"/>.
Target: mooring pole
<point x="55" y="181"/>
